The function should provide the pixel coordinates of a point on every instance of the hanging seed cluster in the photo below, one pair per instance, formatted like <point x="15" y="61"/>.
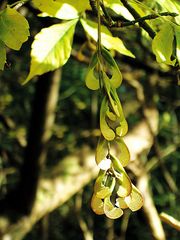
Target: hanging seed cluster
<point x="113" y="190"/>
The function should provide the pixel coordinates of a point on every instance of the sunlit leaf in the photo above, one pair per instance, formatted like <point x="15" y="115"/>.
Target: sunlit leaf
<point x="171" y="6"/>
<point x="135" y="200"/>
<point x="97" y="205"/>
<point x="14" y="28"/>
<point x="162" y="44"/>
<point x="118" y="8"/>
<point x="63" y="9"/>
<point x="110" y="210"/>
<point x="92" y="81"/>
<point x="122" y="152"/>
<point x="2" y="55"/>
<point x="107" y="39"/>
<point x="177" y="35"/>
<point x="107" y="132"/>
<point x="51" y="48"/>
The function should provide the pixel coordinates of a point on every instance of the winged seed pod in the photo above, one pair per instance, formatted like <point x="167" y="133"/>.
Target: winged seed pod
<point x="113" y="184"/>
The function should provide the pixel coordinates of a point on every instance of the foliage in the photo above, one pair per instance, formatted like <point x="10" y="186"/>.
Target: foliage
<point x="52" y="48"/>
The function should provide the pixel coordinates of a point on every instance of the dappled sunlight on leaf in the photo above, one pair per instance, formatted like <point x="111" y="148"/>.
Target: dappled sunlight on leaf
<point x="51" y="48"/>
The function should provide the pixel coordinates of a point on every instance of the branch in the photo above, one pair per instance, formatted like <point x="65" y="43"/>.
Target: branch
<point x="170" y="221"/>
<point x="148" y="17"/>
<point x="136" y="15"/>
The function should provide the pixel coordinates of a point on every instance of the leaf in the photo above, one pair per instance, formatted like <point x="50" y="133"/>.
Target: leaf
<point x="123" y="152"/>
<point x="14" y="28"/>
<point x="162" y="44"/>
<point x="2" y="55"/>
<point x="62" y="9"/>
<point x="92" y="82"/>
<point x="177" y="35"/>
<point x="107" y="132"/>
<point x="107" y="39"/>
<point x="111" y="211"/>
<point x="51" y="48"/>
<point x="97" y="205"/>
<point x="171" y="6"/>
<point x="135" y="200"/>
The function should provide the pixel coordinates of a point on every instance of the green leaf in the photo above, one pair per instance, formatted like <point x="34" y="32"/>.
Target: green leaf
<point x="107" y="39"/>
<point x="110" y="210"/>
<point x="162" y="44"/>
<point x="177" y="35"/>
<point x="2" y="55"/>
<point x="14" y="28"/>
<point x="171" y="6"/>
<point x="62" y="9"/>
<point x="51" y="48"/>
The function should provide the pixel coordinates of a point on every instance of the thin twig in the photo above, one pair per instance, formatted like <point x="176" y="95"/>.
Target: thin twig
<point x="136" y="15"/>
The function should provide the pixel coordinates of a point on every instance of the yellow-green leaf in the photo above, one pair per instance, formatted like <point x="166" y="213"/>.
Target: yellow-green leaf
<point x="177" y="35"/>
<point x="107" y="39"/>
<point x="2" y="55"/>
<point x="62" y="9"/>
<point x="97" y="205"/>
<point x="162" y="44"/>
<point x="14" y="28"/>
<point x="171" y="6"/>
<point x="135" y="200"/>
<point x="51" y="48"/>
<point x="110" y="210"/>
<point x="107" y="132"/>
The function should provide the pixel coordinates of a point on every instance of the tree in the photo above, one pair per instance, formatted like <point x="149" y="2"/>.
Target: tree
<point x="51" y="49"/>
